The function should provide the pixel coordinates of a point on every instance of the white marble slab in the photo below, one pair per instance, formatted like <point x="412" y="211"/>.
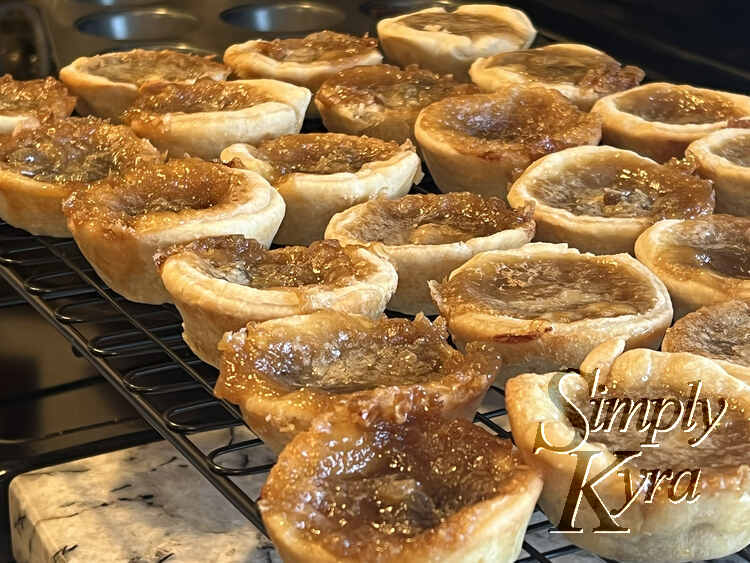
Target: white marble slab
<point x="143" y="504"/>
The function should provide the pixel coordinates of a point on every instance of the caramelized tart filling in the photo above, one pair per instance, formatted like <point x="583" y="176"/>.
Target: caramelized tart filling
<point x="388" y="86"/>
<point x="678" y="105"/>
<point x="562" y="289"/>
<point x="736" y="149"/>
<point x="719" y="331"/>
<point x="141" y="66"/>
<point x="531" y="120"/>
<point x="141" y="191"/>
<point x="371" y="492"/>
<point x="718" y="243"/>
<point x="320" y="46"/>
<point x="437" y="219"/>
<point x="202" y="96"/>
<point x="726" y="445"/>
<point x="323" y="153"/>
<point x="623" y="185"/>
<point x="74" y="149"/>
<point x="562" y="64"/>
<point x="459" y="23"/>
<point x="244" y="261"/>
<point x="41" y="97"/>
<point x="343" y="354"/>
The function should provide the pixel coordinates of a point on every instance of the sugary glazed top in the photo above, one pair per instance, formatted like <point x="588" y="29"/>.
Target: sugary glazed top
<point x="244" y="261"/>
<point x="437" y="219"/>
<point x="203" y="96"/>
<point x="74" y="149"/>
<point x="720" y="331"/>
<point x="140" y="66"/>
<point x="679" y="105"/>
<point x="41" y="97"/>
<point x="320" y="46"/>
<point x="323" y="153"/>
<point x="623" y="185"/>
<point x="561" y="289"/>
<point x="462" y="23"/>
<point x="566" y="64"/>
<point x="149" y="191"/>
<point x="390" y="87"/>
<point x="717" y="243"/>
<point x="528" y="121"/>
<point x="369" y="492"/>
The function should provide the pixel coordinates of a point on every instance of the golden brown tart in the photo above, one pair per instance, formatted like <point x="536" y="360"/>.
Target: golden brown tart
<point x="600" y="199"/>
<point x="545" y="306"/>
<point x="40" y="167"/>
<point x="284" y="372"/>
<point x="448" y="42"/>
<point x="581" y="73"/>
<point x="305" y="61"/>
<point x="724" y="158"/>
<point x="382" y="100"/>
<point x="389" y="481"/>
<point x="482" y="142"/>
<point x="701" y="261"/>
<point x="660" y="120"/>
<point x="320" y="174"/>
<point x="427" y="236"/>
<point x="121" y="222"/>
<point x="107" y="84"/>
<point x="25" y="103"/>
<point x="222" y="283"/>
<point x="203" y="118"/>
<point x="709" y="519"/>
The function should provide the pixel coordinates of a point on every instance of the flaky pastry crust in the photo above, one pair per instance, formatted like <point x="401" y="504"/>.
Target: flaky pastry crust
<point x="658" y="139"/>
<point x="312" y="198"/>
<point x="532" y="343"/>
<point x="450" y="53"/>
<point x="121" y="223"/>
<point x="211" y="283"/>
<point x="731" y="177"/>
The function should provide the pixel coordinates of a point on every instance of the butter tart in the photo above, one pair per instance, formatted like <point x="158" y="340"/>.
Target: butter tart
<point x="25" y="103"/>
<point x="427" y="236"/>
<point x="670" y="518"/>
<point x="600" y="199"/>
<point x="660" y="120"/>
<point x="40" y="167"/>
<point x="121" y="222"/>
<point x="545" y="306"/>
<point x="448" y="42"/>
<point x="284" y="372"/>
<point x="701" y="261"/>
<point x="305" y="61"/>
<point x="382" y="100"/>
<point x="482" y="142"/>
<point x="581" y="73"/>
<point x="203" y="118"/>
<point x="391" y="482"/>
<point x="107" y="84"/>
<point x="724" y="158"/>
<point x="320" y="174"/>
<point x="221" y="283"/>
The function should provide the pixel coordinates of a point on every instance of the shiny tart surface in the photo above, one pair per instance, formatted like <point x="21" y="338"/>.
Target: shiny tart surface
<point x="395" y="483"/>
<point x="320" y="46"/>
<point x="38" y="98"/>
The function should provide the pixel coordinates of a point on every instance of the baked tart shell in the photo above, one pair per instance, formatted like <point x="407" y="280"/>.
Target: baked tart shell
<point x="123" y="256"/>
<point x="449" y="53"/>
<point x="731" y="181"/>
<point x="530" y="345"/>
<point x="206" y="134"/>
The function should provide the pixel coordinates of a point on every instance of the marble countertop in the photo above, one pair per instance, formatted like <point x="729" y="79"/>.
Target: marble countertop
<point x="148" y="505"/>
